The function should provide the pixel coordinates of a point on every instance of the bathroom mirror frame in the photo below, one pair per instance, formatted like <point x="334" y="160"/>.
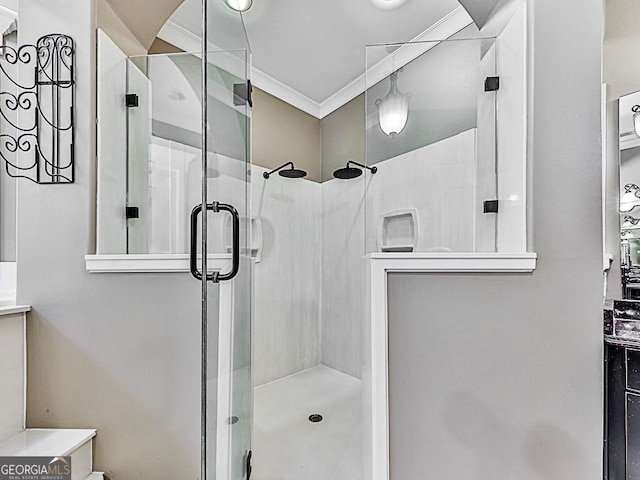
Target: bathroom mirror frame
<point x="629" y="194"/>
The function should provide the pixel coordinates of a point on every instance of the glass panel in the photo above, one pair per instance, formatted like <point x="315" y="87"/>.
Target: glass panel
<point x="431" y="134"/>
<point x="163" y="162"/>
<point x="228" y="174"/>
<point x="164" y="184"/>
<point x="229" y="303"/>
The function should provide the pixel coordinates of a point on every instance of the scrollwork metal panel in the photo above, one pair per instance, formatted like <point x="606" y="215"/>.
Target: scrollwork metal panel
<point x="37" y="137"/>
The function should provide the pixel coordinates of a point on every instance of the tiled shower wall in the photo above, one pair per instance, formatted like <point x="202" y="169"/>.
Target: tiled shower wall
<point x="286" y="311"/>
<point x="309" y="290"/>
<point x="342" y="306"/>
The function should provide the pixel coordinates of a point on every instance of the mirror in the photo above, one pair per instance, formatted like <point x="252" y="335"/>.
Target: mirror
<point x="629" y="117"/>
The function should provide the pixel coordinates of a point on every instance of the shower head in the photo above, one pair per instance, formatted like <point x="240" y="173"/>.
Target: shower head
<point x="286" y="172"/>
<point x="348" y="173"/>
<point x="292" y="173"/>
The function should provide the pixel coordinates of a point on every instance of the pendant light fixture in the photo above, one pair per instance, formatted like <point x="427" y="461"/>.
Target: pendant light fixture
<point x="393" y="110"/>
<point x="388" y="4"/>
<point x="636" y="119"/>
<point x="239" y="5"/>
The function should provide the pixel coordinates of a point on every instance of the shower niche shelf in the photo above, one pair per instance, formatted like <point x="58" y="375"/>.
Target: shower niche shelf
<point x="398" y="231"/>
<point x="256" y="237"/>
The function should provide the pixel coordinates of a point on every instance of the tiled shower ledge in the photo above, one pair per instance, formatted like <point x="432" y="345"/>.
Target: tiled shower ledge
<point x="173" y="263"/>
<point x="390" y="262"/>
<point x="455" y="262"/>
<point x="13" y="309"/>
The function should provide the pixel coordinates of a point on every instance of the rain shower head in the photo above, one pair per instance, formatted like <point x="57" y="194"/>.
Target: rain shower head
<point x="348" y="173"/>
<point x="292" y="172"/>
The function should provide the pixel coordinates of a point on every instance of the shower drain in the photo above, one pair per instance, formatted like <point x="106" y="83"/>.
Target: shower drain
<point x="315" y="418"/>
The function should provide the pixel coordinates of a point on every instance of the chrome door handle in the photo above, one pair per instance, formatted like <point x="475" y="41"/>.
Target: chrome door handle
<point x="215" y="277"/>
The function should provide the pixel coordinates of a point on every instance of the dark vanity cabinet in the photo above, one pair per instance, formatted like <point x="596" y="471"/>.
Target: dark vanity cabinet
<point x="622" y="419"/>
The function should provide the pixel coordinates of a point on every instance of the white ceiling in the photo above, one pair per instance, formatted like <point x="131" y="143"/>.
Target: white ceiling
<point x="315" y="49"/>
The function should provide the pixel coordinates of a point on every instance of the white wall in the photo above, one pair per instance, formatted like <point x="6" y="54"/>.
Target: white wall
<point x="287" y="279"/>
<point x="439" y="181"/>
<point x="343" y="235"/>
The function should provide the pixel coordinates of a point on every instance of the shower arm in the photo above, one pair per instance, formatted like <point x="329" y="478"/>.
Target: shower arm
<point x="268" y="174"/>
<point x="373" y="170"/>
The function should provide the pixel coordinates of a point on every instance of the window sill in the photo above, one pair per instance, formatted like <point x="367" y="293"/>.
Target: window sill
<point x="14" y="309"/>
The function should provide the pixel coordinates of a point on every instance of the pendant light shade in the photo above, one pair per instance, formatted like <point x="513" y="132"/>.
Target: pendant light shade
<point x="239" y="5"/>
<point x="636" y="119"/>
<point x="393" y="110"/>
<point x="388" y="4"/>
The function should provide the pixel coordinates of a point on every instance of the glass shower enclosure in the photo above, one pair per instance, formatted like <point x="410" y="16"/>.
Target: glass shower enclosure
<point x="432" y="133"/>
<point x="188" y="197"/>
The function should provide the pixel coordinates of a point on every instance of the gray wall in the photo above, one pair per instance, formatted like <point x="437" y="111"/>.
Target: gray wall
<point x="119" y="353"/>
<point x="7" y="217"/>
<point x="8" y="184"/>
<point x="500" y="376"/>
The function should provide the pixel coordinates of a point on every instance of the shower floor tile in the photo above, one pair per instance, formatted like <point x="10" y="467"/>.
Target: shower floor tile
<point x="287" y="446"/>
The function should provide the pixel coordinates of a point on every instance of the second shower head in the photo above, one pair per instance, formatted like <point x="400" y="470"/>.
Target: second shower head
<point x="292" y="172"/>
<point x="348" y="172"/>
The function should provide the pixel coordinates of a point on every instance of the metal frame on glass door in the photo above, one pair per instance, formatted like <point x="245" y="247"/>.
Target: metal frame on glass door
<point x="203" y="274"/>
<point x="204" y="270"/>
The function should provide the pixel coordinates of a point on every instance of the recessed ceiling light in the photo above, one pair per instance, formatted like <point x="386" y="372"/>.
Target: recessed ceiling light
<point x="388" y="4"/>
<point x="239" y="5"/>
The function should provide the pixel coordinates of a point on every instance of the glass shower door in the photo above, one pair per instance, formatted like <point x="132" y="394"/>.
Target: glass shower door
<point x="187" y="201"/>
<point x="225" y="235"/>
<point x="226" y="228"/>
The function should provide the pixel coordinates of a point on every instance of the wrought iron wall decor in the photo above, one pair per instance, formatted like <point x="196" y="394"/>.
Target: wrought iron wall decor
<point x="37" y="117"/>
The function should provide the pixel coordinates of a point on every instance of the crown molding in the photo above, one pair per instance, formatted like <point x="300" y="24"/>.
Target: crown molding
<point x="285" y="93"/>
<point x="439" y="31"/>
